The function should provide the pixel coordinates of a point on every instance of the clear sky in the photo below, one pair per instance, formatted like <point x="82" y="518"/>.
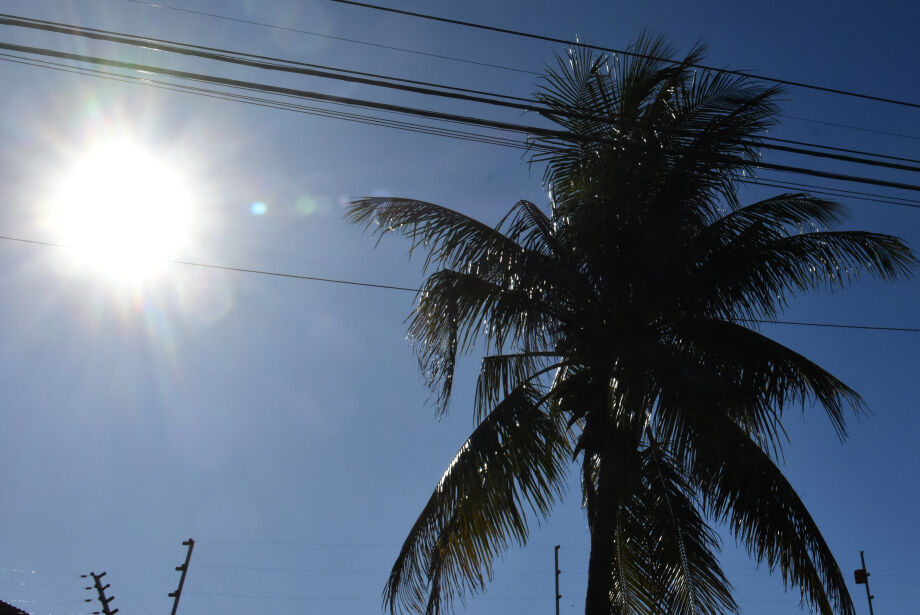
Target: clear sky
<point x="282" y="422"/>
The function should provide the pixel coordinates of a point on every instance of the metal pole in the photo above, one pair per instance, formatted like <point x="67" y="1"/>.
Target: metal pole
<point x="558" y="595"/>
<point x="190" y="543"/>
<point x="869" y="595"/>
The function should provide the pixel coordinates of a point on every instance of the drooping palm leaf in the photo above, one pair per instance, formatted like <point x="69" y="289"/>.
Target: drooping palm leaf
<point x="754" y="275"/>
<point x="511" y="465"/>
<point x="455" y="308"/>
<point x="502" y="373"/>
<point x="450" y="239"/>
<point x="757" y="377"/>
<point x="684" y="547"/>
<point x="742" y="486"/>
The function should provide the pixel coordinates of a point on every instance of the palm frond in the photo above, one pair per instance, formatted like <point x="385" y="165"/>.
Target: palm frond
<point x="511" y="466"/>
<point x="684" y="547"/>
<point x="502" y="373"/>
<point x="533" y="229"/>
<point x="757" y="265"/>
<point x="750" y="376"/>
<point x="791" y="212"/>
<point x="638" y="82"/>
<point x="679" y="79"/>
<point x="454" y="309"/>
<point x="743" y="487"/>
<point x="450" y="239"/>
<point x="635" y="588"/>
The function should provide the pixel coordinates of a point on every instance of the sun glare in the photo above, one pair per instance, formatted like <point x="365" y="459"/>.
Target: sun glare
<point x="123" y="208"/>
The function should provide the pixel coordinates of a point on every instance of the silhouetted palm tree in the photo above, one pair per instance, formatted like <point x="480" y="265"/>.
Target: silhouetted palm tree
<point x="618" y="332"/>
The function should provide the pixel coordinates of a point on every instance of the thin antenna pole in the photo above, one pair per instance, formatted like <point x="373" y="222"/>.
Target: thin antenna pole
<point x="190" y="543"/>
<point x="558" y="595"/>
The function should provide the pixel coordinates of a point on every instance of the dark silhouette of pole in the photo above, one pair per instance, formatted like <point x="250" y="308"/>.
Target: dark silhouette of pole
<point x="190" y="543"/>
<point x="100" y="589"/>
<point x="558" y="595"/>
<point x="862" y="578"/>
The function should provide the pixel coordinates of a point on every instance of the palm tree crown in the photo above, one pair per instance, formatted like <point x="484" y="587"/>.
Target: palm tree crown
<point x="618" y="334"/>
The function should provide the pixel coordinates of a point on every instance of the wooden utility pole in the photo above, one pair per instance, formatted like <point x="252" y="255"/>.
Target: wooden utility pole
<point x="190" y="543"/>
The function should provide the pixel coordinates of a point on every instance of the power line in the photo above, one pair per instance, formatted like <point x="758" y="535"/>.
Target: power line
<point x="414" y="86"/>
<point x="400" y="125"/>
<point x="829" y="192"/>
<point x="210" y="598"/>
<point x="551" y="39"/>
<point x="468" y="61"/>
<point x="841" y="149"/>
<point x="415" y="290"/>
<point x="270" y="103"/>
<point x="345" y="598"/>
<point x="230" y="268"/>
<point x="337" y="570"/>
<point x="843" y="193"/>
<point x="226" y="587"/>
<point x="261" y="61"/>
<point x="850" y="127"/>
<point x="336" y="38"/>
<point x="798" y="323"/>
<point x="285" y="91"/>
<point x="438" y="115"/>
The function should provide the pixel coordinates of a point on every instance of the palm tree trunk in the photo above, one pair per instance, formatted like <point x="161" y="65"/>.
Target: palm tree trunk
<point x="602" y="524"/>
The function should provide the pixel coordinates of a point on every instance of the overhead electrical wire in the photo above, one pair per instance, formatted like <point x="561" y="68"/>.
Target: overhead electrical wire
<point x="562" y="41"/>
<point x="256" y="60"/>
<point x="312" y="278"/>
<point x="468" y="61"/>
<point x="843" y="192"/>
<point x="229" y="268"/>
<point x="409" y="85"/>
<point x="529" y="130"/>
<point x="841" y="149"/>
<point x="270" y="103"/>
<point x="886" y="133"/>
<point x="831" y="192"/>
<point x="400" y="125"/>
<point x="251" y="22"/>
<point x="284" y="91"/>
<point x="335" y="570"/>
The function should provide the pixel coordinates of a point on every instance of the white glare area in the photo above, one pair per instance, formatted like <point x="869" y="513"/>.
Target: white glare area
<point x="123" y="208"/>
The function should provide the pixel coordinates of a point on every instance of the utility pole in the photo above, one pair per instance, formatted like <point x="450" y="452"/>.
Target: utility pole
<point x="190" y="543"/>
<point x="862" y="578"/>
<point x="556" y="558"/>
<point x="97" y="583"/>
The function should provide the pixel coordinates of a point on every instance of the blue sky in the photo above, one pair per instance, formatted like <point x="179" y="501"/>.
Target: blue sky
<point x="282" y="422"/>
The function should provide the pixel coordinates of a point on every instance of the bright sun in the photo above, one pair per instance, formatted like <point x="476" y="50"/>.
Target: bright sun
<point x="124" y="208"/>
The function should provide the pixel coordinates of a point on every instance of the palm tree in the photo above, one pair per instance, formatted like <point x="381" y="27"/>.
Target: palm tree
<point x="620" y="333"/>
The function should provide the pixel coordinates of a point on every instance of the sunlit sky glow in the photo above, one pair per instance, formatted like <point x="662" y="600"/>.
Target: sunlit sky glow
<point x="123" y="207"/>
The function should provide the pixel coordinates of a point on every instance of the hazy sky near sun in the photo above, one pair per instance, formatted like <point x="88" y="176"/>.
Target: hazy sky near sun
<point x="281" y="422"/>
